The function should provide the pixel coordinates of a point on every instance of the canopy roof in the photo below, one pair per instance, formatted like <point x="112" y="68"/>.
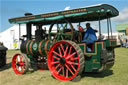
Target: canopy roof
<point x="91" y="13"/>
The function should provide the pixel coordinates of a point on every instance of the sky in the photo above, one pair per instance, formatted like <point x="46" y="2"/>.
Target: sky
<point x="17" y="8"/>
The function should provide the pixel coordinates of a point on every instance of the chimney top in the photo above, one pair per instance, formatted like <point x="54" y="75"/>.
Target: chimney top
<point x="28" y="14"/>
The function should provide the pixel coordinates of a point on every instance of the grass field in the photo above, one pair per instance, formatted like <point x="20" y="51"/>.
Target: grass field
<point x="118" y="75"/>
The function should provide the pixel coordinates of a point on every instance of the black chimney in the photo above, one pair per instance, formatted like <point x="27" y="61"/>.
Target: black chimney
<point x="28" y="14"/>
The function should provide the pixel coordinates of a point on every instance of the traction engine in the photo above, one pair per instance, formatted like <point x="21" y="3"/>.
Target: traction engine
<point x="60" y="47"/>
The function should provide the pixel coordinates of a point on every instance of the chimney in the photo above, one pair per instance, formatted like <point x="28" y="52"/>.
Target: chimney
<point x="28" y="14"/>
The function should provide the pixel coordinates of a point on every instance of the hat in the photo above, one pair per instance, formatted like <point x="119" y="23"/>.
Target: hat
<point x="88" y="24"/>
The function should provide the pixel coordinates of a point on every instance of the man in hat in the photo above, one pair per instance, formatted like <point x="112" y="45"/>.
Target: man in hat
<point x="90" y="35"/>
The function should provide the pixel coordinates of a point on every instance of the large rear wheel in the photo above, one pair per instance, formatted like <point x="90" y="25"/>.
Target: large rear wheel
<point x="65" y="60"/>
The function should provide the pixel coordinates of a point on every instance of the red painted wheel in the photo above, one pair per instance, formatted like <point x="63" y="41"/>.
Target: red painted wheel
<point x="20" y="63"/>
<point x="65" y="60"/>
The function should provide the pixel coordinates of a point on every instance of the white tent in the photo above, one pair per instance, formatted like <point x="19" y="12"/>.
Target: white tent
<point x="10" y="37"/>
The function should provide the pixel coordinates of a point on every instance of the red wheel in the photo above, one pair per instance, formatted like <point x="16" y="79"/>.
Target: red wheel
<point x="65" y="60"/>
<point x="20" y="64"/>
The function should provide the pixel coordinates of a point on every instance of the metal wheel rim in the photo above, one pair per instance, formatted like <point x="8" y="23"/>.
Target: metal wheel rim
<point x="67" y="71"/>
<point x="19" y="64"/>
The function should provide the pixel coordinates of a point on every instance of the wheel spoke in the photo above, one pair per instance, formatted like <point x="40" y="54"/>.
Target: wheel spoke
<point x="18" y="58"/>
<point x="66" y="51"/>
<point x="63" y="70"/>
<point x="57" y="66"/>
<point x="73" y="68"/>
<point x="19" y="68"/>
<point x="21" y="63"/>
<point x="59" y="70"/>
<point x="54" y="62"/>
<point x="57" y="53"/>
<point x="22" y="70"/>
<point x="70" y="50"/>
<point x="62" y="47"/>
<point x="69" y="69"/>
<point x="74" y="58"/>
<point x="72" y="63"/>
<point x="56" y="57"/>
<point x="71" y="55"/>
<point x="66" y="73"/>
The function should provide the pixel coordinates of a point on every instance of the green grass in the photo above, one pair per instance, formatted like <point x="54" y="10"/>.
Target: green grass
<point x="118" y="75"/>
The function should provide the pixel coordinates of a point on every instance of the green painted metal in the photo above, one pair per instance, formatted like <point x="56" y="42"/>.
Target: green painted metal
<point x="93" y="59"/>
<point x="74" y="15"/>
<point x="36" y="48"/>
<point x="110" y="42"/>
<point x="59" y="35"/>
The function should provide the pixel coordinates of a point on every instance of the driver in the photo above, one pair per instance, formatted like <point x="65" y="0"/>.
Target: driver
<point x="90" y="35"/>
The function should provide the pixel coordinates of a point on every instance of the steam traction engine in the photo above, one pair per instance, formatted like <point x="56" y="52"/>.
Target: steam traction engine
<point x="59" y="47"/>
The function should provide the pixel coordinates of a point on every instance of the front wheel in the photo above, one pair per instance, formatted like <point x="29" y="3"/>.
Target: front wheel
<point x="65" y="60"/>
<point x="20" y="63"/>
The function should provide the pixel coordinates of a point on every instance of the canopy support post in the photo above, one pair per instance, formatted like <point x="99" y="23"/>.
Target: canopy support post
<point x="108" y="26"/>
<point x="99" y="28"/>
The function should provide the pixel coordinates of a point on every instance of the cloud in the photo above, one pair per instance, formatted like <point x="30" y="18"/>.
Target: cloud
<point x="67" y="8"/>
<point x="123" y="16"/>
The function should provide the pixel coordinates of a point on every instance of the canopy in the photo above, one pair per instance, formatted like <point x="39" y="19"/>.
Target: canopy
<point x="92" y="13"/>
